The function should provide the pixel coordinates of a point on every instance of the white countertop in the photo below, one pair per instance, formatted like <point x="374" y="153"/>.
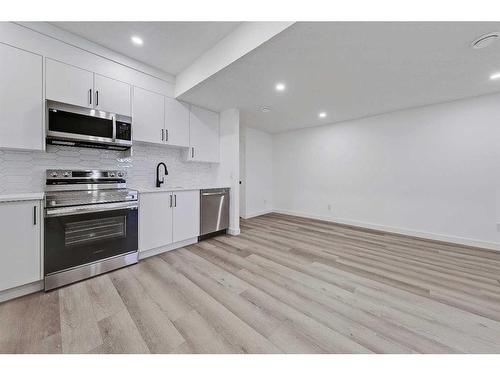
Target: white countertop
<point x="21" y="197"/>
<point x="174" y="188"/>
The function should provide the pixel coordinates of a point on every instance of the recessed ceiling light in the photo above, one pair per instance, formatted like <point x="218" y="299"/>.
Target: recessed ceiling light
<point x="280" y="86"/>
<point x="322" y="114"/>
<point x="266" y="109"/>
<point x="485" y="40"/>
<point x="137" y="40"/>
<point x="495" y="76"/>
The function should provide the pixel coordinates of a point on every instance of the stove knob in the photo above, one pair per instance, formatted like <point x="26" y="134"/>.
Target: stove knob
<point x="66" y="174"/>
<point x="120" y="174"/>
<point x="111" y="174"/>
<point x="53" y="174"/>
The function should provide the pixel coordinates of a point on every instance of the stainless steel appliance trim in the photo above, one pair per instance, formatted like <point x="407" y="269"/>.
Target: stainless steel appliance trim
<point x="96" y="174"/>
<point x="87" y="111"/>
<point x="214" y="210"/>
<point x="71" y="187"/>
<point x="78" y="210"/>
<point x="114" y="128"/>
<point x="91" y="113"/>
<point x="78" y="137"/>
<point x="218" y="193"/>
<point x="85" y="271"/>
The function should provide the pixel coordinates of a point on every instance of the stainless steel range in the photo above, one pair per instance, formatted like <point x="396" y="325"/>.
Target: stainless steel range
<point x="91" y="225"/>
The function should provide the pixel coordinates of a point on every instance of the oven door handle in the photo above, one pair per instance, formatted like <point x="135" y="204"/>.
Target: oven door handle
<point x="79" y="210"/>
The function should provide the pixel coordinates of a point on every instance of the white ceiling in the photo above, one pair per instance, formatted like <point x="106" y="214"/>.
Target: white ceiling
<point x="352" y="70"/>
<point x="169" y="46"/>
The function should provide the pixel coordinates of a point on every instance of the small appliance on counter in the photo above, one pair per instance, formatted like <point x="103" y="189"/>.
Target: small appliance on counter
<point x="214" y="212"/>
<point x="91" y="225"/>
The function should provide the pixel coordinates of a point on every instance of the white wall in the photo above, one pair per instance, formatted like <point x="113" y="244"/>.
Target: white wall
<point x="257" y="180"/>
<point x="228" y="169"/>
<point x="431" y="171"/>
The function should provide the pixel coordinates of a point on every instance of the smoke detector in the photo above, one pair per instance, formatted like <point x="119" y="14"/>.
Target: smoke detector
<point x="485" y="40"/>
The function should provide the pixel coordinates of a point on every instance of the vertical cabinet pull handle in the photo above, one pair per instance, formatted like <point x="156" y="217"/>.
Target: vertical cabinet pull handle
<point x="170" y="200"/>
<point x="90" y="96"/>
<point x="97" y="98"/>
<point x="192" y="152"/>
<point x="166" y="135"/>
<point x="34" y="215"/>
<point x="162" y="134"/>
<point x="175" y="200"/>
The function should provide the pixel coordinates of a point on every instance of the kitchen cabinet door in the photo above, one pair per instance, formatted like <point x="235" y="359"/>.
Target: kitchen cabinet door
<point x="112" y="95"/>
<point x="20" y="250"/>
<point x="203" y="135"/>
<point x="21" y="98"/>
<point x="155" y="220"/>
<point x="186" y="215"/>
<point x="176" y="122"/>
<point x="148" y="116"/>
<point x="68" y="84"/>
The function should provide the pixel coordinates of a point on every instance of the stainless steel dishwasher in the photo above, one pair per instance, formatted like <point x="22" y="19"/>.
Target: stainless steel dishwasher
<point x="214" y="215"/>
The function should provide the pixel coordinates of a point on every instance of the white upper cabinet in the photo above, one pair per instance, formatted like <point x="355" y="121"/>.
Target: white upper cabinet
<point x="21" y="99"/>
<point x="186" y="223"/>
<point x="68" y="84"/>
<point x="20" y="250"/>
<point x="203" y="135"/>
<point x="111" y="95"/>
<point x="148" y="116"/>
<point x="155" y="220"/>
<point x="176" y="122"/>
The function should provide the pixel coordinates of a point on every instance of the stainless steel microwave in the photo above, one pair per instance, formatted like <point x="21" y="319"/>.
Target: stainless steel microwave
<point x="70" y="125"/>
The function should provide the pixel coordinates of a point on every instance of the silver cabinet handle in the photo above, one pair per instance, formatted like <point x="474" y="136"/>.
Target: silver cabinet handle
<point x="166" y="135"/>
<point x="170" y="200"/>
<point x="34" y="215"/>
<point x="175" y="200"/>
<point x="162" y="134"/>
<point x="192" y="152"/>
<point x="97" y="98"/>
<point x="90" y="96"/>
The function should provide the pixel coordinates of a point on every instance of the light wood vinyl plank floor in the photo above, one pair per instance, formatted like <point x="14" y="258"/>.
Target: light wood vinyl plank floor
<point x="285" y="285"/>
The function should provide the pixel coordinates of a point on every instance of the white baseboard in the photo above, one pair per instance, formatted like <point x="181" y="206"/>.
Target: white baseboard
<point x="152" y="252"/>
<point x="255" y="214"/>
<point x="407" y="232"/>
<point x="21" y="291"/>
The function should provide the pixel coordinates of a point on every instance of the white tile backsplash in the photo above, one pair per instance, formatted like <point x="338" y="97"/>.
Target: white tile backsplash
<point x="24" y="171"/>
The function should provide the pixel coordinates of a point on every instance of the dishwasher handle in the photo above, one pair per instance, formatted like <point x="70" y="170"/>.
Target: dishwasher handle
<point x="217" y="193"/>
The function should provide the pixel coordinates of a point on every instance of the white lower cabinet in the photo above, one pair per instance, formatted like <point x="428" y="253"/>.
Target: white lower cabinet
<point x="168" y="217"/>
<point x="155" y="220"/>
<point x="186" y="222"/>
<point x="20" y="250"/>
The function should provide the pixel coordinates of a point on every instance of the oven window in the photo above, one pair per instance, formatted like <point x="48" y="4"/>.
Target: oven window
<point x="84" y="232"/>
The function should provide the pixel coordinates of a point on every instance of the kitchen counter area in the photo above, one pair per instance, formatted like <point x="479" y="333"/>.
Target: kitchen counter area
<point x="21" y="197"/>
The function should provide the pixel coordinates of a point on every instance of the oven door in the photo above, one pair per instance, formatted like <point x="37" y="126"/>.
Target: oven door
<point x="78" y="235"/>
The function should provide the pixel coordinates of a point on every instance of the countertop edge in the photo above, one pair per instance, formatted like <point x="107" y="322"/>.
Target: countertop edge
<point x="16" y="197"/>
<point x="166" y="190"/>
